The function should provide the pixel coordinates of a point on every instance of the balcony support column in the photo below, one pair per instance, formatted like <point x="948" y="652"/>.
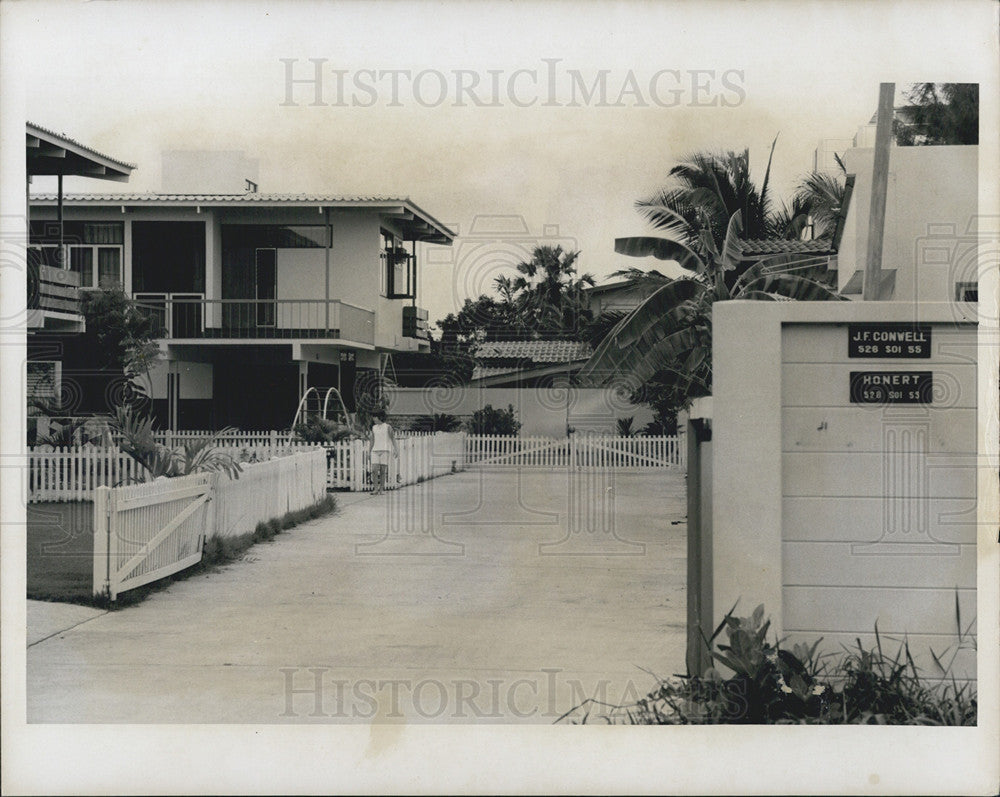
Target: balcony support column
<point x="303" y="378"/>
<point x="326" y="271"/>
<point x="63" y="260"/>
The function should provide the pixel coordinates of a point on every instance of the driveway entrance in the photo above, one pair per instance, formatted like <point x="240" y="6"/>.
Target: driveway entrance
<point x="475" y="597"/>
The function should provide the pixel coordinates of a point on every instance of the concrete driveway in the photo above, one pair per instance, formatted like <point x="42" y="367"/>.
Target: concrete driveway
<point x="476" y="597"/>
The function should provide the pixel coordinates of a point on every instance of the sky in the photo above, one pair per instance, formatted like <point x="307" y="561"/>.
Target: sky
<point x="497" y="109"/>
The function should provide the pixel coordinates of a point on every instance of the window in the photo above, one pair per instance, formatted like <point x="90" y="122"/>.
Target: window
<point x="395" y="271"/>
<point x="98" y="266"/>
<point x="91" y="249"/>
<point x="966" y="291"/>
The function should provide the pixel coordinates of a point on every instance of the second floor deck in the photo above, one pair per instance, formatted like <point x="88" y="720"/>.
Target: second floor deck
<point x="193" y="317"/>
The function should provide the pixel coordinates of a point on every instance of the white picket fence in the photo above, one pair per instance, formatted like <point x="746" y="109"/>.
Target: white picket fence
<point x="578" y="451"/>
<point x="421" y="457"/>
<point x="72" y="473"/>
<point x="494" y="450"/>
<point x="610" y="451"/>
<point x="267" y="490"/>
<point x="145" y="532"/>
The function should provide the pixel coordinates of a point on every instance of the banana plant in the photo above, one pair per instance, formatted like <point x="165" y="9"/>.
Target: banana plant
<point x="665" y="344"/>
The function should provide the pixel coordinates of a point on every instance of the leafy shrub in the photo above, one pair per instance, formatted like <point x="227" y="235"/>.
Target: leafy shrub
<point x="492" y="421"/>
<point x="201" y="455"/>
<point x="320" y="430"/>
<point x="438" y="422"/>
<point x="772" y="685"/>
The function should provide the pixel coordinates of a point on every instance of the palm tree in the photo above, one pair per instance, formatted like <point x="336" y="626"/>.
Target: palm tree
<point x="547" y="295"/>
<point x="940" y="113"/>
<point x="662" y="349"/>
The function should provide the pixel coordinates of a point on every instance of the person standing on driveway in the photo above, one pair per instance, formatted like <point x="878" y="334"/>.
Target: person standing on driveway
<point x="381" y="442"/>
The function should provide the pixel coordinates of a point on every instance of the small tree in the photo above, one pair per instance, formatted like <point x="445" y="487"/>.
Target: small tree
<point x="492" y="421"/>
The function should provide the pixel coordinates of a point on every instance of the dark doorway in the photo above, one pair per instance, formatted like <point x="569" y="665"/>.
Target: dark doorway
<point x="256" y="390"/>
<point x="168" y="256"/>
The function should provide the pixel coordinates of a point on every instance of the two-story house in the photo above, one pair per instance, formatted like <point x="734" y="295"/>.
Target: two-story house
<point x="261" y="296"/>
<point x="53" y="311"/>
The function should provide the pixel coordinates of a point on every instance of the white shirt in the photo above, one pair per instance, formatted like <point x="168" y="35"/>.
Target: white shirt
<point x="380" y="432"/>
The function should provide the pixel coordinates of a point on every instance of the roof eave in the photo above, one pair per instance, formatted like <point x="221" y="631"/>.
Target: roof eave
<point x="56" y="149"/>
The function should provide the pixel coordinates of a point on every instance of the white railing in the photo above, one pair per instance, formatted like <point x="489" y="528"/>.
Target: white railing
<point x="421" y="457"/>
<point x="579" y="451"/>
<point x="609" y="451"/>
<point x="512" y="451"/>
<point x="72" y="473"/>
<point x="268" y="490"/>
<point x="145" y="532"/>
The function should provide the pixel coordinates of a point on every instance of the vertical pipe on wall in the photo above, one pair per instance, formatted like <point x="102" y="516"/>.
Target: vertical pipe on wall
<point x="880" y="183"/>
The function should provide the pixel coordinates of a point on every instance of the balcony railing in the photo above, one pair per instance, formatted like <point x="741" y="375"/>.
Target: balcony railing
<point x="191" y="316"/>
<point x="55" y="289"/>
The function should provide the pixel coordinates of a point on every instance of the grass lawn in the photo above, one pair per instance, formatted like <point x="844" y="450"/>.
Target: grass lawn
<point x="61" y="551"/>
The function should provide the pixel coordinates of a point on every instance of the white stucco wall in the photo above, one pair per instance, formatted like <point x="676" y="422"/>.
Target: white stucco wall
<point x="833" y="514"/>
<point x="931" y="210"/>
<point x="542" y="412"/>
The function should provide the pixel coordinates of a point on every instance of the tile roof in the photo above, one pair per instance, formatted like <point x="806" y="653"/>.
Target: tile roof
<point x="776" y="247"/>
<point x="221" y="198"/>
<point x="483" y="371"/>
<point x="249" y="198"/>
<point x="535" y="351"/>
<point x="63" y="137"/>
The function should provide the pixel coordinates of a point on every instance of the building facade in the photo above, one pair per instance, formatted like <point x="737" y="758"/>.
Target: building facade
<point x="259" y="296"/>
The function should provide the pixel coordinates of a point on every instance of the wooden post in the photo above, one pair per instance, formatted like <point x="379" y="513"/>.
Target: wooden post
<point x="880" y="183"/>
<point x="699" y="552"/>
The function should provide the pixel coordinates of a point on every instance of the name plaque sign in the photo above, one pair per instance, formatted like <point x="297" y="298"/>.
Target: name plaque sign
<point x="899" y="341"/>
<point x="892" y="387"/>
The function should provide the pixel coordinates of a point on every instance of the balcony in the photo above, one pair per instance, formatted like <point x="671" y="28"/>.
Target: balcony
<point x="53" y="296"/>
<point x="192" y="317"/>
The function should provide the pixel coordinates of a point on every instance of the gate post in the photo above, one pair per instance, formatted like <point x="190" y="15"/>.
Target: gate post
<point x="102" y="553"/>
<point x="699" y="544"/>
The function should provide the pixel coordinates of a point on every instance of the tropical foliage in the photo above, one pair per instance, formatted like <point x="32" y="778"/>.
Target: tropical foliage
<point x="493" y="421"/>
<point x="321" y="430"/>
<point x="134" y="434"/>
<point x="662" y="349"/>
<point x="940" y="113"/>
<point x="438" y="422"/>
<point x="772" y="684"/>
<point x="545" y="299"/>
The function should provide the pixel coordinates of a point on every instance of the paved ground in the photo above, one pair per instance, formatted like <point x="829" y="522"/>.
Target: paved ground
<point x="469" y="598"/>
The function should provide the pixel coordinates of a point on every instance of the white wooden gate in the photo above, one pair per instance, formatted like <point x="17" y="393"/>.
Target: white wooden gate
<point x="577" y="451"/>
<point x="510" y="451"/>
<point x="625" y="453"/>
<point x="148" y="531"/>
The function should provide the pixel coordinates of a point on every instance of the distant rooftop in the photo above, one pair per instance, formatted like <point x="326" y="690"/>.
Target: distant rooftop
<point x="776" y="247"/>
<point x="537" y="351"/>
